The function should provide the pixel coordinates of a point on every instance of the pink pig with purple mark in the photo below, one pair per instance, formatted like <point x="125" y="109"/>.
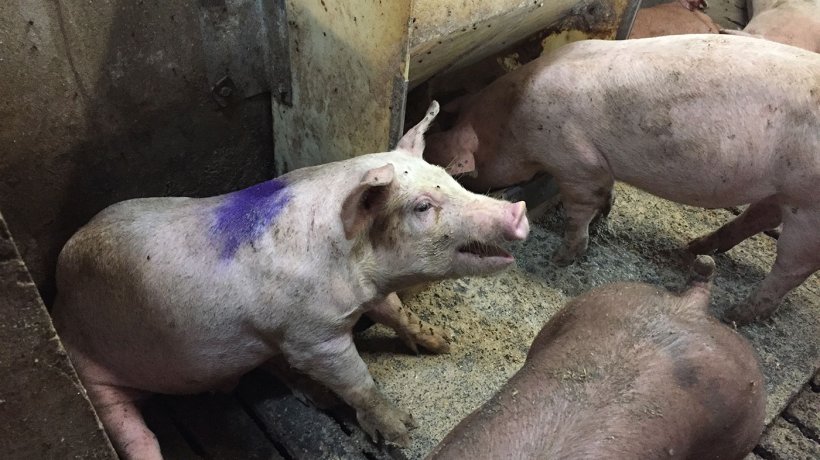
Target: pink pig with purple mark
<point x="184" y="295"/>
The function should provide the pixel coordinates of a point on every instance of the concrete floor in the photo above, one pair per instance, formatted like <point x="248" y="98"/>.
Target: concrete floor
<point x="493" y="320"/>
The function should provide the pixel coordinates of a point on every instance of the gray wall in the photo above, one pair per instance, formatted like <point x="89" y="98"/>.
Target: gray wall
<point x="106" y="100"/>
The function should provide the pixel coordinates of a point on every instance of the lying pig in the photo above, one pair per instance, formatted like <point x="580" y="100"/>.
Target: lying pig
<point x="625" y="371"/>
<point x="182" y="295"/>
<point x="671" y="19"/>
<point x="793" y="22"/>
<point x="704" y="120"/>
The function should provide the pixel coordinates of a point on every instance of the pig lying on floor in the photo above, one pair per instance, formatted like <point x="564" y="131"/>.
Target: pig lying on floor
<point x="182" y="295"/>
<point x="705" y="120"/>
<point x="793" y="22"/>
<point x="625" y="371"/>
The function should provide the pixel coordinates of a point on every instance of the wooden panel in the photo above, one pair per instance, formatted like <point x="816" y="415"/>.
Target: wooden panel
<point x="348" y="65"/>
<point x="44" y="412"/>
<point x="450" y="34"/>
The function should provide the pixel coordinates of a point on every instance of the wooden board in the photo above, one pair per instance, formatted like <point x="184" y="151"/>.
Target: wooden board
<point x="348" y="69"/>
<point x="44" y="412"/>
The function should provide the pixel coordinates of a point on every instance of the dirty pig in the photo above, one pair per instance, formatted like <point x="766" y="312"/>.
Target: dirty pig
<point x="183" y="295"/>
<point x="625" y="371"/>
<point x="793" y="22"/>
<point x="671" y="19"/>
<point x="727" y="121"/>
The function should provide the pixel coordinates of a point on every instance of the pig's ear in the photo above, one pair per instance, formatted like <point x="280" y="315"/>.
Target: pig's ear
<point x="366" y="200"/>
<point x="413" y="141"/>
<point x="463" y="161"/>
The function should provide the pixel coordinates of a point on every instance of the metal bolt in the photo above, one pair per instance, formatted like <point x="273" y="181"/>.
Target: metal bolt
<point x="225" y="91"/>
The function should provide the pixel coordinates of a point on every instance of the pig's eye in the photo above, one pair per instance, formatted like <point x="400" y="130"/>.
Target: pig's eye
<point x="423" y="206"/>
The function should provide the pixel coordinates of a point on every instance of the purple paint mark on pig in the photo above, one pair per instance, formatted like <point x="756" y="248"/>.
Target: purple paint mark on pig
<point x="245" y="214"/>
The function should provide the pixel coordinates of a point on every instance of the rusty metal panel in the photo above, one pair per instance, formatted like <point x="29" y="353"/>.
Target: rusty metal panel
<point x="450" y="34"/>
<point x="348" y="64"/>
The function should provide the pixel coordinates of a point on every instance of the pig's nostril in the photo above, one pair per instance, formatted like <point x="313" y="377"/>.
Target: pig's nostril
<point x="519" y="211"/>
<point x="518" y="228"/>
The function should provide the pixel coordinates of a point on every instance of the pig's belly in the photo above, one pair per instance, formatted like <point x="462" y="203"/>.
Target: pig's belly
<point x="192" y="372"/>
<point x="186" y="363"/>
<point x="706" y="186"/>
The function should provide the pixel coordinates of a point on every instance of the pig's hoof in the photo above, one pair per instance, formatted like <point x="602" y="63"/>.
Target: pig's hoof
<point x="742" y="314"/>
<point x="392" y="423"/>
<point x="563" y="258"/>
<point x="429" y="337"/>
<point x="703" y="268"/>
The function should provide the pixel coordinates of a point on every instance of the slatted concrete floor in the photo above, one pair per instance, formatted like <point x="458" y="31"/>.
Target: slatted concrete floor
<point x="795" y="434"/>
<point x="261" y="419"/>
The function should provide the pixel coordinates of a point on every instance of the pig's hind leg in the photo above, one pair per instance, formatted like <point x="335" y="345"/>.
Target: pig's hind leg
<point x="584" y="197"/>
<point x="410" y="328"/>
<point x="123" y="421"/>
<point x="798" y="256"/>
<point x="758" y="217"/>
<point x="116" y="407"/>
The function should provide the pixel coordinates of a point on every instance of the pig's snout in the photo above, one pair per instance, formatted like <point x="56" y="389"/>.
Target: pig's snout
<point x="517" y="226"/>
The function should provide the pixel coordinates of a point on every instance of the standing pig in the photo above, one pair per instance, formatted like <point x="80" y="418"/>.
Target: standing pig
<point x="705" y="120"/>
<point x="625" y="371"/>
<point x="793" y="22"/>
<point x="671" y="19"/>
<point x="182" y="295"/>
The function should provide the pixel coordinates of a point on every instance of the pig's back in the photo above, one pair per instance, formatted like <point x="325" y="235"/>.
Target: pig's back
<point x="740" y="113"/>
<point x="794" y="23"/>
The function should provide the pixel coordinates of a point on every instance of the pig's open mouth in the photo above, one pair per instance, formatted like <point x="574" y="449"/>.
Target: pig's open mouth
<point x="483" y="251"/>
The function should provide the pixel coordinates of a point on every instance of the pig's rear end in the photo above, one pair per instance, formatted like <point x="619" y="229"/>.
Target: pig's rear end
<point x="625" y="371"/>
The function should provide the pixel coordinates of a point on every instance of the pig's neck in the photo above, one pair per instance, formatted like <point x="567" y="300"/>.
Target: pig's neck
<point x="376" y="272"/>
<point x="349" y="268"/>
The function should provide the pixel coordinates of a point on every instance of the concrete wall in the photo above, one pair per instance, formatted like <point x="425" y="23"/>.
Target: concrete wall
<point x="106" y="100"/>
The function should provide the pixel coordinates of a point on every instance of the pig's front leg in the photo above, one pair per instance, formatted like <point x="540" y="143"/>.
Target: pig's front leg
<point x="336" y="363"/>
<point x="116" y="406"/>
<point x="410" y="328"/>
<point x="582" y="199"/>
